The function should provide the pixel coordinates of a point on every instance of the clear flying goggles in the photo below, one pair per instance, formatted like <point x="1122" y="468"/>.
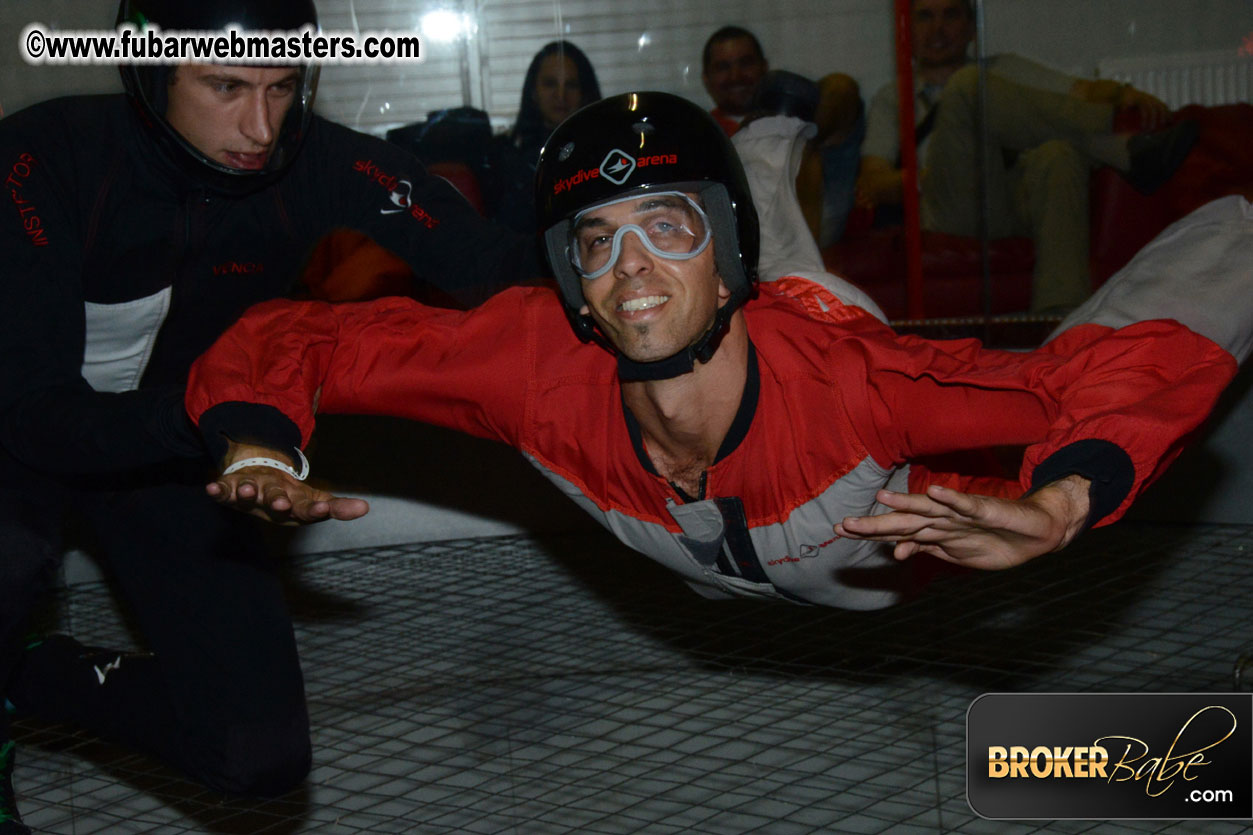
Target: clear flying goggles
<point x="670" y="224"/>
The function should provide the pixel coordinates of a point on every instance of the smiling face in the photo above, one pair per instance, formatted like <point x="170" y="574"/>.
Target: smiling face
<point x="649" y="306"/>
<point x="734" y="70"/>
<point x="558" y="92"/>
<point x="230" y="114"/>
<point x="942" y="31"/>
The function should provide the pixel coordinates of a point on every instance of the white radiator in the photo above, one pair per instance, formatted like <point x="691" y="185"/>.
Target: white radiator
<point x="1222" y="77"/>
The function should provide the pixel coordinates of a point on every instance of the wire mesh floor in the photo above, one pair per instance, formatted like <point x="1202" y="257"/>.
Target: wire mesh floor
<point x="565" y="685"/>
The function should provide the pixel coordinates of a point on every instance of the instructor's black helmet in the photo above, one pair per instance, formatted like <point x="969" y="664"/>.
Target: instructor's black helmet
<point x="637" y="143"/>
<point x="148" y="83"/>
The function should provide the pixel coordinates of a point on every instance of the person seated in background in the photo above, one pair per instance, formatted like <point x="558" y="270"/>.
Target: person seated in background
<point x="738" y="78"/>
<point x="826" y="181"/>
<point x="732" y="65"/>
<point x="558" y="82"/>
<point x="779" y="146"/>
<point x="1047" y="130"/>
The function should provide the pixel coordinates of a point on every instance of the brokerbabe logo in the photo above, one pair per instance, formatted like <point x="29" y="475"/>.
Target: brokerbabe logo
<point x="618" y="165"/>
<point x="1110" y="755"/>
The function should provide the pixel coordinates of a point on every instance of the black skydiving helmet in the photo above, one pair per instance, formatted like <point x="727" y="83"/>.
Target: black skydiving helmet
<point x="647" y="144"/>
<point x="148" y="84"/>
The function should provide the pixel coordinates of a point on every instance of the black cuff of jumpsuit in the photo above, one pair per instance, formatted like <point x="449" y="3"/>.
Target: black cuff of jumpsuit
<point x="1105" y="464"/>
<point x="171" y="426"/>
<point x="248" y="423"/>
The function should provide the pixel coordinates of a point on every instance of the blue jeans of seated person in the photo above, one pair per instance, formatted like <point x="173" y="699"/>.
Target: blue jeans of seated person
<point x="839" y="181"/>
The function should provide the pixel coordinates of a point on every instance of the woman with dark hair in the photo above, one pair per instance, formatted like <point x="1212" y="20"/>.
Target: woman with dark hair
<point x="558" y="82"/>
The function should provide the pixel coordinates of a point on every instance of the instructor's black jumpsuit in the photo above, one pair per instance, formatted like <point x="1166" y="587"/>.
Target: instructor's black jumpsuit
<point x="117" y="269"/>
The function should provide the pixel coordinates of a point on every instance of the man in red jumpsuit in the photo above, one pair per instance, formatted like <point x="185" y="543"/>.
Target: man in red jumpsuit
<point x="756" y="440"/>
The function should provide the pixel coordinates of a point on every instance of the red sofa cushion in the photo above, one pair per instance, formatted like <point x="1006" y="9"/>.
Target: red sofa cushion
<point x="1221" y="163"/>
<point x="951" y="271"/>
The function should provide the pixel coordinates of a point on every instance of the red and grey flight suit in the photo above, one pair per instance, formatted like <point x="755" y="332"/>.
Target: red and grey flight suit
<point x="835" y="408"/>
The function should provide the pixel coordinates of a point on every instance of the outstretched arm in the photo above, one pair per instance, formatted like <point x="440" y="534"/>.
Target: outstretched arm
<point x="274" y="495"/>
<point x="977" y="531"/>
<point x="380" y="190"/>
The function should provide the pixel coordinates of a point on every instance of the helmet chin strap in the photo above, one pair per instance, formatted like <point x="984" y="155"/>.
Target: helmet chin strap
<point x="702" y="350"/>
<point x="630" y="371"/>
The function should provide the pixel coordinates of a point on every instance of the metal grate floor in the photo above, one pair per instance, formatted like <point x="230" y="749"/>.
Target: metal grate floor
<point x="565" y="685"/>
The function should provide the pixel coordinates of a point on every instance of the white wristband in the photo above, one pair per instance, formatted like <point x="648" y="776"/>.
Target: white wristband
<point x="270" y="462"/>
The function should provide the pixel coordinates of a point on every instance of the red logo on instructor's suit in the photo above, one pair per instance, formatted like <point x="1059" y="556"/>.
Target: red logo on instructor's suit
<point x="399" y="193"/>
<point x="28" y="214"/>
<point x="239" y="268"/>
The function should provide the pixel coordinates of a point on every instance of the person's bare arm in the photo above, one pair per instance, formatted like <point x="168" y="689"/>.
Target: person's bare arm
<point x="978" y="531"/>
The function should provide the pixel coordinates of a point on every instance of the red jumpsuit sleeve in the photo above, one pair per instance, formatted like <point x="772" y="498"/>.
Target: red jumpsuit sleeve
<point x="463" y="370"/>
<point x="1115" y="406"/>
